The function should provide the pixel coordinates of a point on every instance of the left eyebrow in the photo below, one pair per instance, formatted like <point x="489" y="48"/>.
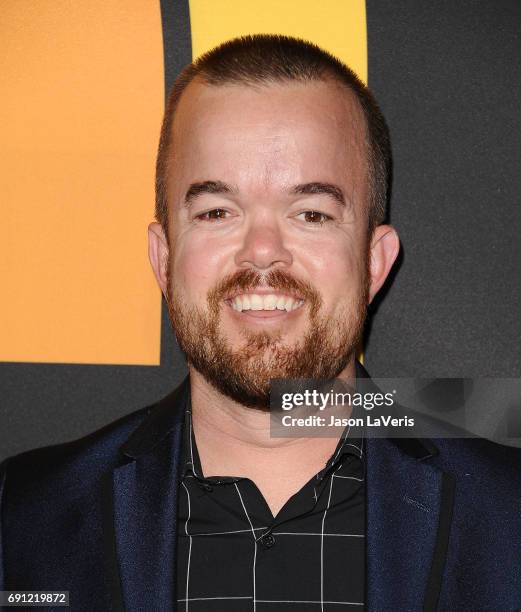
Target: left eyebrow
<point x="321" y="188"/>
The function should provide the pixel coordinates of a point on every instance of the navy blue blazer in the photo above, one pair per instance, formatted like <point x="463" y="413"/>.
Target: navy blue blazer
<point x="97" y="517"/>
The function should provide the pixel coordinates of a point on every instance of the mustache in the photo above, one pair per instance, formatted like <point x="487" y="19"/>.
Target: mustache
<point x="245" y="280"/>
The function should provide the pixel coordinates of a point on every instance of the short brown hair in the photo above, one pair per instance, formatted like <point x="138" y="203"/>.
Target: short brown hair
<point x="263" y="58"/>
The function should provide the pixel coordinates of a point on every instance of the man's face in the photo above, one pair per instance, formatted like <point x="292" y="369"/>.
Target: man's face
<point x="268" y="265"/>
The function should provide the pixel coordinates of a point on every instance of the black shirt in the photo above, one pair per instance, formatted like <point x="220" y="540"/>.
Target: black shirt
<point x="233" y="555"/>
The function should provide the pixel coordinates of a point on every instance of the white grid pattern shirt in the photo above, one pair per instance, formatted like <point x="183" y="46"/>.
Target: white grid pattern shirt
<point x="234" y="555"/>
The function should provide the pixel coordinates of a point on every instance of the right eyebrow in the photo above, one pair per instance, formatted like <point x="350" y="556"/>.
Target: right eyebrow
<point x="197" y="189"/>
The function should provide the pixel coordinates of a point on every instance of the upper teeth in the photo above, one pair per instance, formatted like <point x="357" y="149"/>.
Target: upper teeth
<point x="255" y="301"/>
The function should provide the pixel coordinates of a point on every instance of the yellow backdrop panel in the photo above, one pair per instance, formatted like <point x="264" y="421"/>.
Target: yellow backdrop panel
<point x="339" y="26"/>
<point x="81" y="105"/>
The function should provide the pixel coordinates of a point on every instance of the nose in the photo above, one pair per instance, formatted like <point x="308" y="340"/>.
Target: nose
<point x="263" y="247"/>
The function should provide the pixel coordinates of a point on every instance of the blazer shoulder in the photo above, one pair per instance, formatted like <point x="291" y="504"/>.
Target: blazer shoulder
<point x="490" y="458"/>
<point x="63" y="465"/>
<point x="75" y="468"/>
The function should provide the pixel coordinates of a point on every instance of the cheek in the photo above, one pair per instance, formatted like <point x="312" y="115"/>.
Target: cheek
<point x="195" y="268"/>
<point x="334" y="263"/>
<point x="336" y="269"/>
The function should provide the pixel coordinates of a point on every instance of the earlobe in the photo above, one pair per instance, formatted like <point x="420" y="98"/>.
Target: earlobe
<point x="158" y="254"/>
<point x="385" y="246"/>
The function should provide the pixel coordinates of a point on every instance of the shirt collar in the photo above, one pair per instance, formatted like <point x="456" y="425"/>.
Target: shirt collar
<point x="191" y="461"/>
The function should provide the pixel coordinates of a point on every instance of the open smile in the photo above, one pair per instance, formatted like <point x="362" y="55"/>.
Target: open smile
<point x="265" y="305"/>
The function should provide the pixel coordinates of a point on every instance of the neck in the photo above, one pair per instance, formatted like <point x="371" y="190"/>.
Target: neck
<point x="235" y="440"/>
<point x="229" y="420"/>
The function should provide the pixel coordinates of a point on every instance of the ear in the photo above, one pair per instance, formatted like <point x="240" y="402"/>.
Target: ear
<point x="158" y="254"/>
<point x="385" y="246"/>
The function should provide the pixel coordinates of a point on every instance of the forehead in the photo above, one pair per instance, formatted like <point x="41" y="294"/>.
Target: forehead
<point x="292" y="131"/>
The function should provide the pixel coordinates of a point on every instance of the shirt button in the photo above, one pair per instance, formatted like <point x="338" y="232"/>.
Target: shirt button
<point x="268" y="540"/>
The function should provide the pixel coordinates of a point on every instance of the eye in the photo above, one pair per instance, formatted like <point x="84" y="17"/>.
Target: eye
<point x="215" y="214"/>
<point x="313" y="216"/>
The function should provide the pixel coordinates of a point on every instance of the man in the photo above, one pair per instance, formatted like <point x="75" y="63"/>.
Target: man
<point x="272" y="178"/>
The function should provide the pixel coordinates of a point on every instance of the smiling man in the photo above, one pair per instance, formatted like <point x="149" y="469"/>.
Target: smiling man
<point x="267" y="253"/>
<point x="269" y="244"/>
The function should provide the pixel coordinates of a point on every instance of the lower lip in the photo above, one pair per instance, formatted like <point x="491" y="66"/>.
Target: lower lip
<point x="265" y="314"/>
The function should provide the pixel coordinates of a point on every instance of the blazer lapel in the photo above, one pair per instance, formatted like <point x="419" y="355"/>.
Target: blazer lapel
<point x="409" y="510"/>
<point x="145" y="509"/>
<point x="409" y="514"/>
